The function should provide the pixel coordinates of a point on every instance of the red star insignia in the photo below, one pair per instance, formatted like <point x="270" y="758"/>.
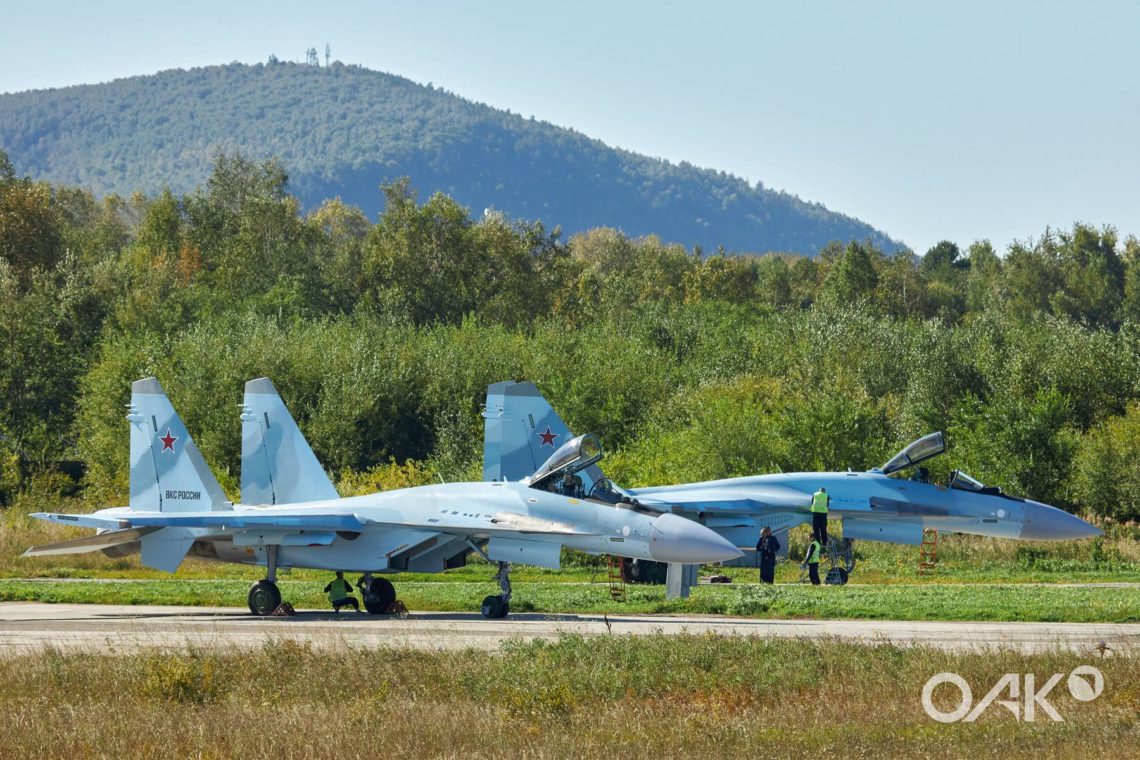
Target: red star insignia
<point x="548" y="437"/>
<point x="168" y="441"/>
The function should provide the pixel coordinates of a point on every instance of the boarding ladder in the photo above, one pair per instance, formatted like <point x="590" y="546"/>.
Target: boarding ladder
<point x="928" y="552"/>
<point x="617" y="577"/>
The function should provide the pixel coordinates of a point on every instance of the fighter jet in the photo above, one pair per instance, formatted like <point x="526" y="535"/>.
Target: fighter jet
<point x="520" y="426"/>
<point x="290" y="515"/>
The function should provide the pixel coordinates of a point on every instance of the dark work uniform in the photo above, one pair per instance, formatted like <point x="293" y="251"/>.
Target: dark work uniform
<point x="767" y="548"/>
<point x="820" y="502"/>
<point x="813" y="562"/>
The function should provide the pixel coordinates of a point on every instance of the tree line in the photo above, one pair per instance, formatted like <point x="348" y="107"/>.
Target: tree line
<point x="382" y="337"/>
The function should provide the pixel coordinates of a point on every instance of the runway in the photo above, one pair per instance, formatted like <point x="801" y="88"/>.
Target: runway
<point x="27" y="627"/>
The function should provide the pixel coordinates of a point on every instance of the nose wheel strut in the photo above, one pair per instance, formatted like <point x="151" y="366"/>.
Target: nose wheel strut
<point x="500" y="606"/>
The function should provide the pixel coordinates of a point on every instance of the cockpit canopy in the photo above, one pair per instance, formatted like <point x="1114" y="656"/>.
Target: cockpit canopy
<point x="924" y="448"/>
<point x="572" y="456"/>
<point x="964" y="482"/>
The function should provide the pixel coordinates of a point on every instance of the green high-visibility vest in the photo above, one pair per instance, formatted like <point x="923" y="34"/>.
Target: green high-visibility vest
<point x="813" y="553"/>
<point x="339" y="589"/>
<point x="819" y="502"/>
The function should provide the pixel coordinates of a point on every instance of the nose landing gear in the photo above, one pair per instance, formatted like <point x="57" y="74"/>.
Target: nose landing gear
<point x="841" y="557"/>
<point x="500" y="606"/>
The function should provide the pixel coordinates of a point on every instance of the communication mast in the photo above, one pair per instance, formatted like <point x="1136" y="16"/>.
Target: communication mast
<point x="328" y="53"/>
<point x="311" y="57"/>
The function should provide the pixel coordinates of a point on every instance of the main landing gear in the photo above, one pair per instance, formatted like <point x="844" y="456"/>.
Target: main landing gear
<point x="500" y="606"/>
<point x="264" y="596"/>
<point x="379" y="594"/>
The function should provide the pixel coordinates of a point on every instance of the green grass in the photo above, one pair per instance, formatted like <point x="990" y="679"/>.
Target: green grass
<point x="607" y="696"/>
<point x="976" y="579"/>
<point x="897" y="602"/>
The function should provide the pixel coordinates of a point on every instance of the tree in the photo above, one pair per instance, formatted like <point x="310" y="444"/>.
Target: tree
<point x="853" y="277"/>
<point x="1106" y="470"/>
<point x="943" y="256"/>
<point x="1091" y="287"/>
<point x="30" y="225"/>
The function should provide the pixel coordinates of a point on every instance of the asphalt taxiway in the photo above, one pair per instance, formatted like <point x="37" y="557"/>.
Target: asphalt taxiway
<point x="31" y="627"/>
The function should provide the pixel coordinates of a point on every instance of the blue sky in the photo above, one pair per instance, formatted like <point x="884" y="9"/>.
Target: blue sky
<point x="954" y="121"/>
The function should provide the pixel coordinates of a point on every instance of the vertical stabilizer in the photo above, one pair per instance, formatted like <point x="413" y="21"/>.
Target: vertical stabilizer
<point x="520" y="431"/>
<point x="277" y="464"/>
<point x="168" y="473"/>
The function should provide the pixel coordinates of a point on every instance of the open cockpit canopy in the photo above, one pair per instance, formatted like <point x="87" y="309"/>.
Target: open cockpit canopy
<point x="924" y="448"/>
<point x="964" y="482"/>
<point x="571" y="457"/>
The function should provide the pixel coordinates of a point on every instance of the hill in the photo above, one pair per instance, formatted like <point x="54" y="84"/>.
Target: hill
<point x="342" y="130"/>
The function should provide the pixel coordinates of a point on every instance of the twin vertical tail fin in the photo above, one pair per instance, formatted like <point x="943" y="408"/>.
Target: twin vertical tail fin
<point x="520" y="432"/>
<point x="168" y="473"/>
<point x="277" y="464"/>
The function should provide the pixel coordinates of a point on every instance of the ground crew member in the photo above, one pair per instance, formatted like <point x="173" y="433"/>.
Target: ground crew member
<point x="340" y="593"/>
<point x="819" y="504"/>
<point x="767" y="547"/>
<point x="812" y="559"/>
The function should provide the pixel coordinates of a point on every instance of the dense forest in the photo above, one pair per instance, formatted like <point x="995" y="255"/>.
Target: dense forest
<point x="383" y="336"/>
<point x="344" y="130"/>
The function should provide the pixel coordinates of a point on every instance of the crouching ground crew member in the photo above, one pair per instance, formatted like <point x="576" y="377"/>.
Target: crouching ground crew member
<point x="819" y="504"/>
<point x="812" y="559"/>
<point x="767" y="547"/>
<point x="340" y="593"/>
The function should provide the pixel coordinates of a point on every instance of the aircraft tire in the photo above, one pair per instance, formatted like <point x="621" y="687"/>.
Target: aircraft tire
<point x="494" y="607"/>
<point x="380" y="596"/>
<point x="264" y="597"/>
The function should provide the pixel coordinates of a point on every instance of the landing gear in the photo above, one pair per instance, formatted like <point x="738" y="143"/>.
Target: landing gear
<point x="264" y="596"/>
<point x="841" y="555"/>
<point x="500" y="606"/>
<point x="379" y="594"/>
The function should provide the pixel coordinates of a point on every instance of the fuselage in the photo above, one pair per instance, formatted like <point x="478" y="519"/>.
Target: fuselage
<point x="432" y="528"/>
<point x="872" y="506"/>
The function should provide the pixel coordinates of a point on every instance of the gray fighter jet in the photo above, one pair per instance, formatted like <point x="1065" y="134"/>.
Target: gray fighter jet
<point x="520" y="427"/>
<point x="290" y="514"/>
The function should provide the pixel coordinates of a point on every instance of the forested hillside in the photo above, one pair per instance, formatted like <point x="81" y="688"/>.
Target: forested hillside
<point x="344" y="130"/>
<point x="383" y="336"/>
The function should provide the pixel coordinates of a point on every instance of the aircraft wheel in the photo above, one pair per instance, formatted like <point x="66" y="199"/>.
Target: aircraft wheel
<point x="494" y="607"/>
<point x="379" y="596"/>
<point x="264" y="597"/>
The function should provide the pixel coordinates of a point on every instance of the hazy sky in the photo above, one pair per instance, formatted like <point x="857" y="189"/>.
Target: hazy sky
<point x="954" y="121"/>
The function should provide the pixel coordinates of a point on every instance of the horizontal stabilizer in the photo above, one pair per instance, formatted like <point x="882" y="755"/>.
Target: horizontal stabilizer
<point x="86" y="544"/>
<point x="82" y="521"/>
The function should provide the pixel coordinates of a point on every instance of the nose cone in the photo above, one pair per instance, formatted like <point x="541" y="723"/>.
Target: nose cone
<point x="676" y="539"/>
<point x="1045" y="523"/>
